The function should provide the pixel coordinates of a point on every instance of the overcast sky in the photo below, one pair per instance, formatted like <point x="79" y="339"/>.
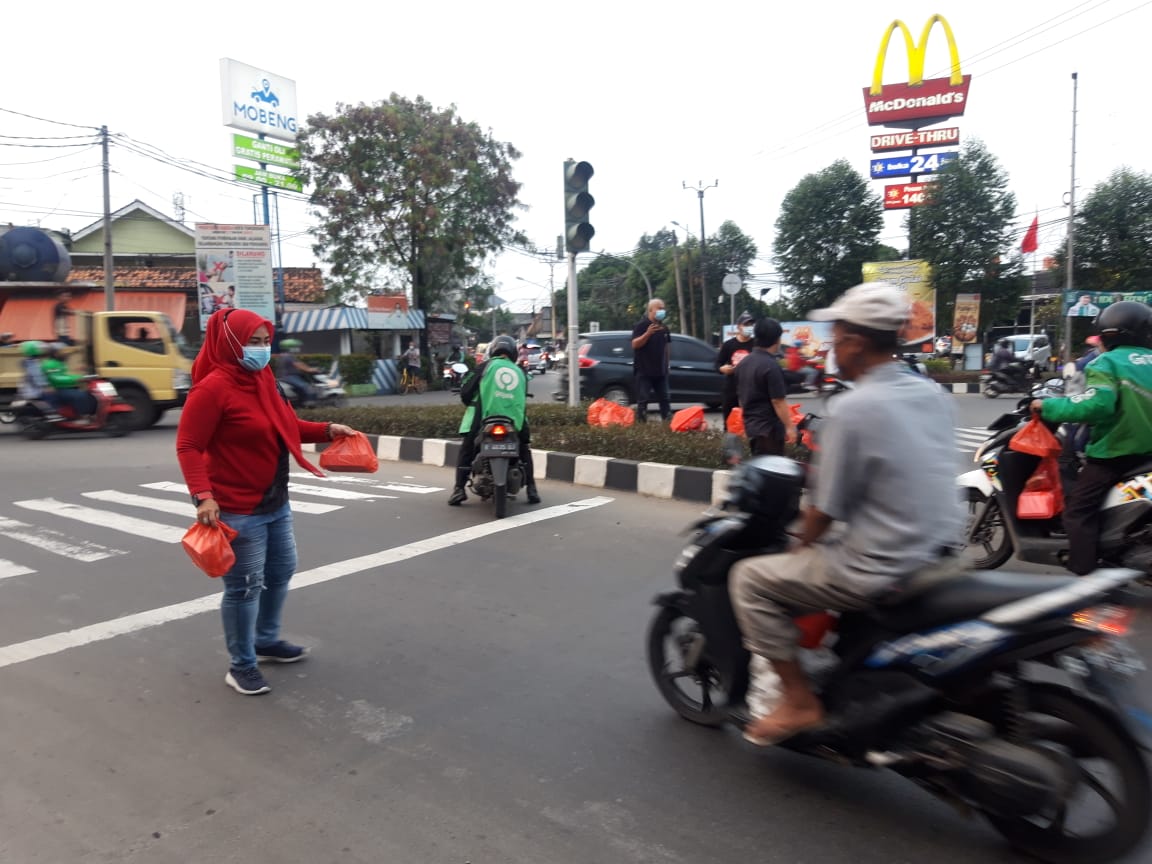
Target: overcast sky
<point x="754" y="95"/>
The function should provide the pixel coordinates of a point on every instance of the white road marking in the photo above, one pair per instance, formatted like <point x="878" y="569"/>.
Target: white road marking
<point x="342" y="494"/>
<point x="164" y="505"/>
<point x="32" y="649"/>
<point x="375" y="484"/>
<point x="297" y="506"/>
<point x="55" y="542"/>
<point x="9" y="568"/>
<point x="106" y="519"/>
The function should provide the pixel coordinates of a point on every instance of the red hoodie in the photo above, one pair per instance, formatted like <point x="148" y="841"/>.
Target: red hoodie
<point x="236" y="426"/>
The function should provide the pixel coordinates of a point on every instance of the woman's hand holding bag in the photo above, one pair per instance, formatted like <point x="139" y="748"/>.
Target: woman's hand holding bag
<point x="210" y="547"/>
<point x="352" y="453"/>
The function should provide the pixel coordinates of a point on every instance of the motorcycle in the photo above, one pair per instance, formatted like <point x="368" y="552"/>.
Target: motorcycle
<point x="1014" y="377"/>
<point x="454" y="375"/>
<point x="497" y="472"/>
<point x="38" y="419"/>
<point x="944" y="686"/>
<point x="996" y="530"/>
<point x="328" y="392"/>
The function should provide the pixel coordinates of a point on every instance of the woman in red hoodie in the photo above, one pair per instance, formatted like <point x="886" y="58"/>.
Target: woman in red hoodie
<point x="235" y="436"/>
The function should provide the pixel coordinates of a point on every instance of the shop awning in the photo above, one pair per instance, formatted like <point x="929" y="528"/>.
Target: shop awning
<point x="29" y="318"/>
<point x="330" y="318"/>
<point x="171" y="303"/>
<point x="34" y="318"/>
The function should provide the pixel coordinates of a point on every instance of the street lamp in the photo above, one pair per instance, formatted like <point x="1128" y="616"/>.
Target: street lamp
<point x="700" y="189"/>
<point x="495" y="303"/>
<point x="687" y="311"/>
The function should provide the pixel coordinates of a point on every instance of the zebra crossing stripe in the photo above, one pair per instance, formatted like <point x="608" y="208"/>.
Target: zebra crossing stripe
<point x="411" y="488"/>
<point x="341" y="494"/>
<point x="127" y="498"/>
<point x="9" y="568"/>
<point x="55" y="542"/>
<point x="308" y="507"/>
<point x="106" y="519"/>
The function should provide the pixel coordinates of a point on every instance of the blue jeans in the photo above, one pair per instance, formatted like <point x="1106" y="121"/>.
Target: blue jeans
<point x="255" y="587"/>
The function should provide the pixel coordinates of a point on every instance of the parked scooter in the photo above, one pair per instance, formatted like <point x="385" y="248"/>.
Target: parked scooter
<point x="497" y="471"/>
<point x="38" y="419"/>
<point x="996" y="530"/>
<point x="942" y="687"/>
<point x="1015" y="377"/>
<point x="453" y="375"/>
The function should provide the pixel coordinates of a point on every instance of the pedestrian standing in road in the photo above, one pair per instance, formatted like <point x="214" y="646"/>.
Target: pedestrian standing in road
<point x="763" y="393"/>
<point x="235" y="436"/>
<point x="731" y="353"/>
<point x="651" y="351"/>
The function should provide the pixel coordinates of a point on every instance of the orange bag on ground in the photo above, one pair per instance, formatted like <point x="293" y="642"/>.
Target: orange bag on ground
<point x="1042" y="497"/>
<point x="351" y="453"/>
<point x="1035" y="439"/>
<point x="210" y="547"/>
<point x="736" y="421"/>
<point x="604" y="412"/>
<point x="688" y="419"/>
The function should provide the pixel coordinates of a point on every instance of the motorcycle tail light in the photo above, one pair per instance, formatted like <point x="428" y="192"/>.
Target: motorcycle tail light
<point x="499" y="431"/>
<point x="1109" y="620"/>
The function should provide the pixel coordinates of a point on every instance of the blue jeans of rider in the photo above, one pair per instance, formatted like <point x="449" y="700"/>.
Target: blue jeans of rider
<point x="255" y="587"/>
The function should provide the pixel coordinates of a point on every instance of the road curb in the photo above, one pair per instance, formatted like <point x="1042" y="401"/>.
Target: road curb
<point x="654" y="479"/>
<point x="966" y="388"/>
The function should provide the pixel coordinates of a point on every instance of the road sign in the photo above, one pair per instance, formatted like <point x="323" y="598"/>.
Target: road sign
<point x="267" y="178"/>
<point x="268" y="152"/>
<point x="732" y="284"/>
<point x="916" y="138"/>
<point x="910" y="166"/>
<point x="904" y="196"/>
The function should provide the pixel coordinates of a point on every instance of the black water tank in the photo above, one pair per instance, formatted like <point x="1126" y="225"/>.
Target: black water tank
<point x="32" y="255"/>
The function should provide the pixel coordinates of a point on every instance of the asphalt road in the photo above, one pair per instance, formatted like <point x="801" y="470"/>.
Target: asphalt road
<point x="478" y="690"/>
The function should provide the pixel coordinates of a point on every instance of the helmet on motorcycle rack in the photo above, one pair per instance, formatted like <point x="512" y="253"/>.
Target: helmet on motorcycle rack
<point x="32" y="348"/>
<point x="503" y="346"/>
<point x="1125" y="323"/>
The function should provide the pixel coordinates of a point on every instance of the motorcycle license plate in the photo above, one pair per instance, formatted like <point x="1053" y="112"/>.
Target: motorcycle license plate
<point x="500" y="447"/>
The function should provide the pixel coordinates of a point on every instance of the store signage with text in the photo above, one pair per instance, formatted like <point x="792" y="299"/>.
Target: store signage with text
<point x="903" y="196"/>
<point x="947" y="137"/>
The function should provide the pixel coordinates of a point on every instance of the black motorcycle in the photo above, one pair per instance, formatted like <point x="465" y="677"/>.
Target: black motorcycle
<point x="1014" y="377"/>
<point x="942" y="687"/>
<point x="497" y="472"/>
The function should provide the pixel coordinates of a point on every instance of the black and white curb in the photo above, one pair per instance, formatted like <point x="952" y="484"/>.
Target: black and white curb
<point x="969" y="387"/>
<point x="654" y="479"/>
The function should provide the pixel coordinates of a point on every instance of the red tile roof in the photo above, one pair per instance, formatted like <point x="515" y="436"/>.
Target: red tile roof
<point x="301" y="284"/>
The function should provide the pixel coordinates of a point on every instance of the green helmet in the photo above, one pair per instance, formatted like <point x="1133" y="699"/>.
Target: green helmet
<point x="32" y="348"/>
<point x="289" y="344"/>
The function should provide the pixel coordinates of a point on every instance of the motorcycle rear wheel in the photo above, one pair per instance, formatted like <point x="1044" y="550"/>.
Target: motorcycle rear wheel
<point x="500" y="500"/>
<point x="669" y="636"/>
<point x="1068" y="721"/>
<point x="990" y="534"/>
<point x="991" y="391"/>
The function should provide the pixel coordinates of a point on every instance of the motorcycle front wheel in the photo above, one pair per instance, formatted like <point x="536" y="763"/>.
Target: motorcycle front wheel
<point x="989" y="544"/>
<point x="1106" y="814"/>
<point x="697" y="694"/>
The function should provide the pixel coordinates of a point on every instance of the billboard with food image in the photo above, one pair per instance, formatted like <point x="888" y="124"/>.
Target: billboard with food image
<point x="966" y="321"/>
<point x="914" y="278"/>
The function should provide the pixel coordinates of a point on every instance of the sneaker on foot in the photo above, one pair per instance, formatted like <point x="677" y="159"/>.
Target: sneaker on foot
<point x="281" y="652"/>
<point x="458" y="497"/>
<point x="247" y="682"/>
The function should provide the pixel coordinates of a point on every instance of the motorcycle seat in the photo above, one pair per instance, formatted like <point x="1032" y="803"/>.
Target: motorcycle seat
<point x="967" y="596"/>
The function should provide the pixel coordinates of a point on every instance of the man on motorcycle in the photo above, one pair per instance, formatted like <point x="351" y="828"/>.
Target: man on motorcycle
<point x="1001" y="356"/>
<point x="484" y="394"/>
<point x="884" y="470"/>
<point x="1117" y="404"/>
<point x="295" y="371"/>
<point x="49" y="380"/>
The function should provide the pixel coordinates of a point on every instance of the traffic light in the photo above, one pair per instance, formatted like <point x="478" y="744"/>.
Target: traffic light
<point x="578" y="232"/>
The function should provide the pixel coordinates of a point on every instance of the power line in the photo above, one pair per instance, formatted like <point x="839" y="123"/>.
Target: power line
<point x="46" y="120"/>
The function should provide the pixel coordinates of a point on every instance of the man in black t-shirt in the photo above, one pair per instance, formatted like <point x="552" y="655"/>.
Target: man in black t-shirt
<point x="763" y="393"/>
<point x="731" y="353"/>
<point x="651" y="349"/>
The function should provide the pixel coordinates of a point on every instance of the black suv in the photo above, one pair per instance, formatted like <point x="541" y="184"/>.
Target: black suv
<point x="606" y="370"/>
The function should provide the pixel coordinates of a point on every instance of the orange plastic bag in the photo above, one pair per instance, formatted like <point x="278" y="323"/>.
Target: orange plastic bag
<point x="1035" y="439"/>
<point x="351" y="453"/>
<point x="604" y="412"/>
<point x="736" y="421"/>
<point x="688" y="419"/>
<point x="1042" y="497"/>
<point x="210" y="547"/>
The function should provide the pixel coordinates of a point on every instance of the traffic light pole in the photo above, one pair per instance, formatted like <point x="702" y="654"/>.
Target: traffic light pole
<point x="573" y="336"/>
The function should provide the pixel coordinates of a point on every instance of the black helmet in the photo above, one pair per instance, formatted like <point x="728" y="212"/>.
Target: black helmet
<point x="503" y="346"/>
<point x="1125" y="323"/>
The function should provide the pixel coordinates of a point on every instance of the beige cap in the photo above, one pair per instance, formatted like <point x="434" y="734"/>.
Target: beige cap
<point x="875" y="305"/>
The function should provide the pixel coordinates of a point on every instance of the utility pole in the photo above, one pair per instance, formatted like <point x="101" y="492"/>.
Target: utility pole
<point x="679" y="285"/>
<point x="1069" y="287"/>
<point x="700" y="189"/>
<point x="109" y="271"/>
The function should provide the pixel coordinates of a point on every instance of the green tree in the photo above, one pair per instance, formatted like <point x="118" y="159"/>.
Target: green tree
<point x="408" y="194"/>
<point x="965" y="231"/>
<point x="827" y="229"/>
<point x="1113" y="237"/>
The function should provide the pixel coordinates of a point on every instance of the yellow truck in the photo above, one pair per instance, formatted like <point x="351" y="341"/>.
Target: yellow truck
<point x="139" y="352"/>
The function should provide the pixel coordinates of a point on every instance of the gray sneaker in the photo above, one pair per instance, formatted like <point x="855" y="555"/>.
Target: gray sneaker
<point x="247" y="682"/>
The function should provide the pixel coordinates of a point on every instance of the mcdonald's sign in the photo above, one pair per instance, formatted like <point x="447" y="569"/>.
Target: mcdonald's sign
<point x="918" y="102"/>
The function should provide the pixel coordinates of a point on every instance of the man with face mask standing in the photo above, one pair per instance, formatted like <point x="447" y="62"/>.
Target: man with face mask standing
<point x="651" y="349"/>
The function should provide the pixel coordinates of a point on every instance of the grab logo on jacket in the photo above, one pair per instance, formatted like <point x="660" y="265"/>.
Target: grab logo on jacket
<point x="507" y="380"/>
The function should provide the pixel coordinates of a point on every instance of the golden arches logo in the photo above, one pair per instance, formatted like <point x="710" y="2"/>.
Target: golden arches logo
<point x="916" y="53"/>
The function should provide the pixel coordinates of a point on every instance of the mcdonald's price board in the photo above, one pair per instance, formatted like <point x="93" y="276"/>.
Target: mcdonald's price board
<point x="910" y="166"/>
<point x="904" y="196"/>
